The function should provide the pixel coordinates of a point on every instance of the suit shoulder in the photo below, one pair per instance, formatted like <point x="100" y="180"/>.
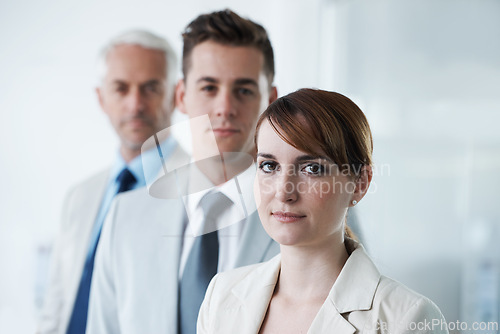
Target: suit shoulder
<point x="85" y="194"/>
<point x="237" y="274"/>
<point x="96" y="180"/>
<point x="140" y="194"/>
<point x="139" y="203"/>
<point x="135" y="216"/>
<point x="247" y="276"/>
<point x="393" y="296"/>
<point x="389" y="288"/>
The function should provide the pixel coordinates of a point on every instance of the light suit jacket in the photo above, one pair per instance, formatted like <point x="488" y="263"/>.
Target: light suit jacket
<point x="70" y="250"/>
<point x="360" y="301"/>
<point x="135" y="282"/>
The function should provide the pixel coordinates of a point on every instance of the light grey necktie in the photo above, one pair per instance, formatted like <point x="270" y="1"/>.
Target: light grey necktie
<point x="202" y="262"/>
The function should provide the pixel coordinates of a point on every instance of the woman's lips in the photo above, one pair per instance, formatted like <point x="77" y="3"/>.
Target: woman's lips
<point x="287" y="217"/>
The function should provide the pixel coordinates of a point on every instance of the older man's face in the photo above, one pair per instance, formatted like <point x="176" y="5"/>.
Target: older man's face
<point x="133" y="95"/>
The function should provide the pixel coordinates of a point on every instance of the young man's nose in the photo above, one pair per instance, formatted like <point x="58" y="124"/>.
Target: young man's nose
<point x="225" y="105"/>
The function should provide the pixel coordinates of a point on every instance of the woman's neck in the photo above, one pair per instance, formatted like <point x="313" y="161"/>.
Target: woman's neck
<point x="308" y="273"/>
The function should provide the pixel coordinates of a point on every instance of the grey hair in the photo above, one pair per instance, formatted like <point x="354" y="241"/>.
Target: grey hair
<point x="147" y="40"/>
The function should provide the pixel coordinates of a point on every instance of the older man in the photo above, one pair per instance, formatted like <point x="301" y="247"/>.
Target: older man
<point x="136" y="93"/>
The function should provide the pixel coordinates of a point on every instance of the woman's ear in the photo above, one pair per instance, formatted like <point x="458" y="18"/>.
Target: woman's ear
<point x="362" y="184"/>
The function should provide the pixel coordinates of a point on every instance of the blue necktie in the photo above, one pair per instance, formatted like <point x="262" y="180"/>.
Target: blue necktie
<point x="78" y="321"/>
<point x="201" y="264"/>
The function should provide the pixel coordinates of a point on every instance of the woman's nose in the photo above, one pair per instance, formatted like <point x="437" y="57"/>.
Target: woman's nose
<point x="287" y="187"/>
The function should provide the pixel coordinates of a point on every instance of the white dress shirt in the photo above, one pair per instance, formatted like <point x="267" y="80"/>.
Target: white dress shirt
<point x="230" y="223"/>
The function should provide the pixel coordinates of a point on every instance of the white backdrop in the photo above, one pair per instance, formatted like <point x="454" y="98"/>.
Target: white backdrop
<point x="426" y="73"/>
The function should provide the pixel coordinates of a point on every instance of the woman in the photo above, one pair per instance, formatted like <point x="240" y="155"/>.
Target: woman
<point x="314" y="163"/>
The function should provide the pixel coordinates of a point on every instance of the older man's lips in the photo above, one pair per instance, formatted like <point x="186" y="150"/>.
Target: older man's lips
<point x="136" y="123"/>
<point x="225" y="132"/>
<point x="287" y="217"/>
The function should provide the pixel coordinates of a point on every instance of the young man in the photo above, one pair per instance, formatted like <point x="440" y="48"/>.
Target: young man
<point x="136" y="93"/>
<point x="153" y="266"/>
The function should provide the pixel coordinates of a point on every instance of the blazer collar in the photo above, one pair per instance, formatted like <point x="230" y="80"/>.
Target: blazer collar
<point x="355" y="287"/>
<point x="329" y="320"/>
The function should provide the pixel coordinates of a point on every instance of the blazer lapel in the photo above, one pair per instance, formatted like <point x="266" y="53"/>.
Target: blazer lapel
<point x="171" y="219"/>
<point x="353" y="290"/>
<point x="92" y="203"/>
<point x="254" y="298"/>
<point x="329" y="320"/>
<point x="81" y="223"/>
<point x="355" y="287"/>
<point x="168" y="215"/>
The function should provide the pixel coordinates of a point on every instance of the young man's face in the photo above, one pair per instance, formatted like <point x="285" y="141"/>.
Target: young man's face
<point x="229" y="85"/>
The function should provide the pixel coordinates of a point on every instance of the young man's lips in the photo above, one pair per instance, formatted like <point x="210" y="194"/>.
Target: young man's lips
<point x="225" y="132"/>
<point x="287" y="217"/>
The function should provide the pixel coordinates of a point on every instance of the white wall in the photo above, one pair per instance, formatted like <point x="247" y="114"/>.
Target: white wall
<point x="427" y="74"/>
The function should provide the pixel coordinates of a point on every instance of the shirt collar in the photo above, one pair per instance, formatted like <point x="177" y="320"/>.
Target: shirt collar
<point x="239" y="190"/>
<point x="152" y="161"/>
<point x="144" y="167"/>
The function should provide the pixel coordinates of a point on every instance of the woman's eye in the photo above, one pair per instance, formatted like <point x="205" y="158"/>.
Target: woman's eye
<point x="314" y="169"/>
<point x="267" y="166"/>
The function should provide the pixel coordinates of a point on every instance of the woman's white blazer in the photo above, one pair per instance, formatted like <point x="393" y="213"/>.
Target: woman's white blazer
<point x="360" y="301"/>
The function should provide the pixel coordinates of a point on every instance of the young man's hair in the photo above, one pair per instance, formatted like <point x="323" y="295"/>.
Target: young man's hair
<point x="227" y="28"/>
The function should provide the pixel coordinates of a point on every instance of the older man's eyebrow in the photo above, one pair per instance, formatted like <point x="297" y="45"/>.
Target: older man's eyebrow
<point x="151" y="82"/>
<point x="118" y="82"/>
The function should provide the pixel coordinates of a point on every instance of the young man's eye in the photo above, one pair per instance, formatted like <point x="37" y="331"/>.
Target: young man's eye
<point x="267" y="166"/>
<point x="245" y="91"/>
<point x="209" y="88"/>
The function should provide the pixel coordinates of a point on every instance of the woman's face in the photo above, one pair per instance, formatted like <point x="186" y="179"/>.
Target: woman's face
<point x="302" y="199"/>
